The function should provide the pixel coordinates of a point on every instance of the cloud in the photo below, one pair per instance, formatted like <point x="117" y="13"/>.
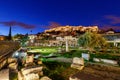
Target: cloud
<point x="106" y="27"/>
<point x="15" y="23"/>
<point x="108" y="21"/>
<point x="113" y="19"/>
<point x="51" y="25"/>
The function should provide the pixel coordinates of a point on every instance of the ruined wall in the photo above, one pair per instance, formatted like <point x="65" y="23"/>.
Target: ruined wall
<point x="6" y="50"/>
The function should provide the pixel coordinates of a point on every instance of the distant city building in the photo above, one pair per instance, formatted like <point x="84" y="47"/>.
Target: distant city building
<point x="2" y="37"/>
<point x="32" y="38"/>
<point x="110" y="32"/>
<point x="72" y="41"/>
<point x="58" y="36"/>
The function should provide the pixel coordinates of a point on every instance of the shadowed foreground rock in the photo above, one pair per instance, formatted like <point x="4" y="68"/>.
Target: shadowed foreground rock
<point x="4" y="74"/>
<point x="30" y="73"/>
<point x="78" y="63"/>
<point x="6" y="50"/>
<point x="45" y="78"/>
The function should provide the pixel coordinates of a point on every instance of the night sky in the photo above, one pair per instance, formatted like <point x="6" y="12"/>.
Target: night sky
<point x="27" y="15"/>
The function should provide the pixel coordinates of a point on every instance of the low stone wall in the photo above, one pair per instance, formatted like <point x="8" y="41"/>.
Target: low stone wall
<point x="4" y="74"/>
<point x="113" y="62"/>
<point x="6" y="50"/>
<point x="30" y="73"/>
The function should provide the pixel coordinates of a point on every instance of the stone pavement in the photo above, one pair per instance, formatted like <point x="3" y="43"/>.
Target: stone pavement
<point x="61" y="59"/>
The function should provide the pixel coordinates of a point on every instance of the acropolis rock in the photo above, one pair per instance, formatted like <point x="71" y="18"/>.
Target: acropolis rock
<point x="73" y="28"/>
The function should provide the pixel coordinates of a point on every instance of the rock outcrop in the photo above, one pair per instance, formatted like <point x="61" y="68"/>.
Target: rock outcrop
<point x="73" y="28"/>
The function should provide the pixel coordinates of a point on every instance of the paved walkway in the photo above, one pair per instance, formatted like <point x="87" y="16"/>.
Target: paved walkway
<point x="61" y="59"/>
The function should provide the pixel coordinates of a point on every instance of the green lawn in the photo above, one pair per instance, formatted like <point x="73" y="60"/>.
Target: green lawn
<point x="43" y="50"/>
<point x="58" y="70"/>
<point x="74" y="53"/>
<point x="47" y="50"/>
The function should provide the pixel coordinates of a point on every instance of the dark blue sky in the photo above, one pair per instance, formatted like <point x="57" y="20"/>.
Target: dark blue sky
<point x="66" y="12"/>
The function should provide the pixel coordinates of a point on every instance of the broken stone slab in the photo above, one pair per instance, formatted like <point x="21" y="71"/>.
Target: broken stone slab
<point x="30" y="58"/>
<point x="107" y="61"/>
<point x="4" y="74"/>
<point x="113" y="62"/>
<point x="3" y="63"/>
<point x="96" y="59"/>
<point x="12" y="60"/>
<point x="75" y="78"/>
<point x="20" y="76"/>
<point x="31" y="76"/>
<point x="78" y="63"/>
<point x="31" y="69"/>
<point x="76" y="66"/>
<point x="45" y="78"/>
<point x="13" y="66"/>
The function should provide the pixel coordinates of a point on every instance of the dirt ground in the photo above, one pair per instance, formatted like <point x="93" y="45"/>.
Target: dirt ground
<point x="98" y="72"/>
<point x="86" y="76"/>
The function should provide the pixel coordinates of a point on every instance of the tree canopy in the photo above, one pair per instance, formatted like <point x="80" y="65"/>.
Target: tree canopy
<point x="91" y="40"/>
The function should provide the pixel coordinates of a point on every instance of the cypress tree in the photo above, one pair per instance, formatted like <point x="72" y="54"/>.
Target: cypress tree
<point x="10" y="34"/>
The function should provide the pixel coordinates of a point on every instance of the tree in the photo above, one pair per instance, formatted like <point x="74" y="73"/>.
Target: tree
<point x="24" y="40"/>
<point x="91" y="40"/>
<point x="10" y="34"/>
<point x="18" y="36"/>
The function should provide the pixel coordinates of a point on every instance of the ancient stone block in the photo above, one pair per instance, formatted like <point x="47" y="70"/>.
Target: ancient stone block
<point x="45" y="78"/>
<point x="30" y="70"/>
<point x="78" y="63"/>
<point x="4" y="74"/>
<point x="76" y="66"/>
<point x="31" y="76"/>
<point x="30" y="58"/>
<point x="20" y="76"/>
<point x="12" y="60"/>
<point x="75" y="78"/>
<point x="13" y="66"/>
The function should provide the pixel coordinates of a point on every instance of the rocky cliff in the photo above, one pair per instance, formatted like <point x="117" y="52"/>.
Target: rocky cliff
<point x="73" y="28"/>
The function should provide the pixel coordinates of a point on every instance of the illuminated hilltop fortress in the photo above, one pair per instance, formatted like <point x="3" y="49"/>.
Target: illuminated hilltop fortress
<point x="73" y="28"/>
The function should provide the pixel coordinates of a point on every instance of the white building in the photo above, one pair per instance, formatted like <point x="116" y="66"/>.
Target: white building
<point x="72" y="41"/>
<point x="32" y="38"/>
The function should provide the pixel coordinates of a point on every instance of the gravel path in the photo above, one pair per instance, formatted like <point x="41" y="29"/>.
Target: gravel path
<point x="62" y="59"/>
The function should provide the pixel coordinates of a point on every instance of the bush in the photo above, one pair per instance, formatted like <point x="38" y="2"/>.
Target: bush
<point x="58" y="70"/>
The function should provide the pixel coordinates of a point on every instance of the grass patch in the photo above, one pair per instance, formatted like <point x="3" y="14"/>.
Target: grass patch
<point x="58" y="70"/>
<point x="43" y="50"/>
<point x="74" y="53"/>
<point x="13" y="76"/>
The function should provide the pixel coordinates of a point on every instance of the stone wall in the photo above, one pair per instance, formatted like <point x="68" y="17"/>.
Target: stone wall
<point x="6" y="50"/>
<point x="30" y="73"/>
